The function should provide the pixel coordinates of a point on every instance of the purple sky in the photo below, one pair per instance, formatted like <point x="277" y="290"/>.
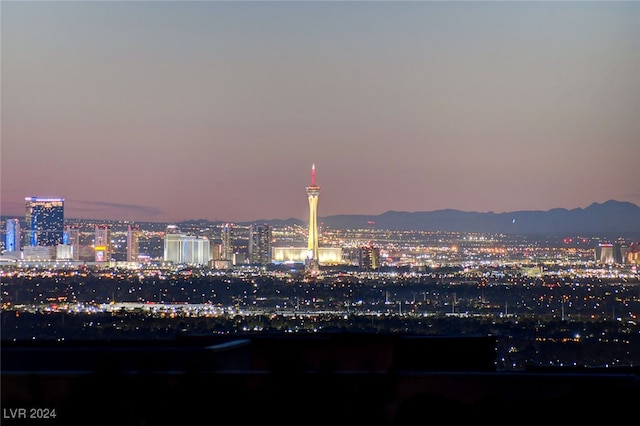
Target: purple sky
<point x="166" y="111"/>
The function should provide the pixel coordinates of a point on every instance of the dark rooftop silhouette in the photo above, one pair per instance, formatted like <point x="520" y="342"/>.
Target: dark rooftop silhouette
<point x="327" y="378"/>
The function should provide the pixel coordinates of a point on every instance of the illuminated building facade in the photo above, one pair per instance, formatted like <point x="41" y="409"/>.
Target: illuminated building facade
<point x="64" y="252"/>
<point x="227" y="242"/>
<point x="133" y="243"/>
<point x="633" y="256"/>
<point x="618" y="252"/>
<point x="102" y="244"/>
<point x="45" y="221"/>
<point x="326" y="255"/>
<point x="12" y="237"/>
<point x="313" y="191"/>
<point x="369" y="258"/>
<point x="39" y="253"/>
<point x="72" y="238"/>
<point x="621" y="252"/>
<point x="604" y="254"/>
<point x="187" y="249"/>
<point x="260" y="244"/>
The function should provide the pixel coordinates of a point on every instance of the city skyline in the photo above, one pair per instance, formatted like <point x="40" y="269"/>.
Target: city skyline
<point x="171" y="111"/>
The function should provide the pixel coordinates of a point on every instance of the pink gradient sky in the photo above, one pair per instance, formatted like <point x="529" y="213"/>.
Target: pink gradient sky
<point x="167" y="111"/>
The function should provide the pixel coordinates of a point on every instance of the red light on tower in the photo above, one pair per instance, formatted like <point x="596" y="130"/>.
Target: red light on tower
<point x="313" y="175"/>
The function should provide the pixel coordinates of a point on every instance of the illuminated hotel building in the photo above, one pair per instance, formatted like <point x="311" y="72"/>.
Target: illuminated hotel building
<point x="260" y="244"/>
<point x="72" y="238"/>
<point x="369" y="258"/>
<point x="186" y="249"/>
<point x="133" y="243"/>
<point x="604" y="254"/>
<point x="102" y="244"/>
<point x="227" y="242"/>
<point x="312" y="244"/>
<point x="12" y="237"/>
<point x="326" y="255"/>
<point x="45" y="221"/>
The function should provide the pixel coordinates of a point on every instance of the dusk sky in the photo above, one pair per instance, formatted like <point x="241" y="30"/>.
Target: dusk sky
<point x="174" y="110"/>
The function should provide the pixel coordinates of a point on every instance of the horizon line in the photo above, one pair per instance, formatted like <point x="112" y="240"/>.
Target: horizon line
<point x="333" y="215"/>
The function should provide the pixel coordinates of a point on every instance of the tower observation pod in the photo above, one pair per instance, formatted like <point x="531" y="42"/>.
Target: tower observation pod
<point x="312" y="244"/>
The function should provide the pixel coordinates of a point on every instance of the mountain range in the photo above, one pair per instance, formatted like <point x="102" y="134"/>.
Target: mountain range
<point x="610" y="217"/>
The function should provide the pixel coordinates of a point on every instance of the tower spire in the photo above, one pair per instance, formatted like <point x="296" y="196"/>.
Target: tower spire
<point x="313" y="175"/>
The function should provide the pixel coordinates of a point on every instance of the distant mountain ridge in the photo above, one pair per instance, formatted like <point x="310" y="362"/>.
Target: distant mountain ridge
<point x="610" y="217"/>
<point x="606" y="218"/>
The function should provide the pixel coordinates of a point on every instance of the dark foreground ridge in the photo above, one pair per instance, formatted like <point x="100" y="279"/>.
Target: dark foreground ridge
<point x="330" y="378"/>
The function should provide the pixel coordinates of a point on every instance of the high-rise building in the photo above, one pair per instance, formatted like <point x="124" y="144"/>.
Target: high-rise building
<point x="312" y="243"/>
<point x="12" y="237"/>
<point x="72" y="238"/>
<point x="620" y="252"/>
<point x="133" y="242"/>
<point x="187" y="249"/>
<point x="260" y="244"/>
<point x="604" y="254"/>
<point x="102" y="244"/>
<point x="45" y="220"/>
<point x="369" y="257"/>
<point x="227" y="242"/>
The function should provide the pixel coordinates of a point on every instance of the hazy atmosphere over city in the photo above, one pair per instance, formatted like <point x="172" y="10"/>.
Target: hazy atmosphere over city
<point x="176" y="110"/>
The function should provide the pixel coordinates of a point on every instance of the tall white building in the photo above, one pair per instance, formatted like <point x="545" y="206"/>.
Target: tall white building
<point x="187" y="249"/>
